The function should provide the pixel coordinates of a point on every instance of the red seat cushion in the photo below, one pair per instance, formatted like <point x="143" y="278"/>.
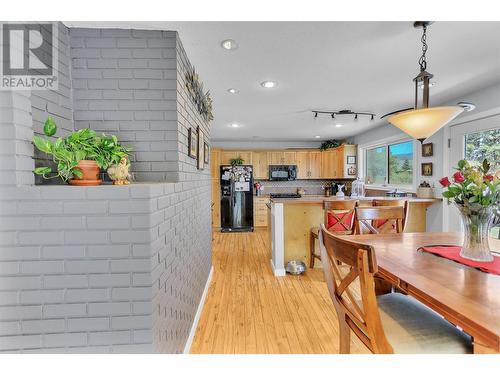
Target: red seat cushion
<point x="334" y="225"/>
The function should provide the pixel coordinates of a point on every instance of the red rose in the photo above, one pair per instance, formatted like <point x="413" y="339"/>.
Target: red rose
<point x="488" y="177"/>
<point x="445" y="181"/>
<point x="458" y="177"/>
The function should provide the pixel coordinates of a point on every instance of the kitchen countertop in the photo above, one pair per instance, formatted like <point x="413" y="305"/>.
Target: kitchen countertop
<point x="315" y="199"/>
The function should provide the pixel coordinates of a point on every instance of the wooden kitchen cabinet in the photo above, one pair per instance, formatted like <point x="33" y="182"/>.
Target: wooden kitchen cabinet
<point x="328" y="163"/>
<point x="282" y="157"/>
<point x="260" y="217"/>
<point x="226" y="156"/>
<point x="308" y="164"/>
<point x="334" y="162"/>
<point x="260" y="165"/>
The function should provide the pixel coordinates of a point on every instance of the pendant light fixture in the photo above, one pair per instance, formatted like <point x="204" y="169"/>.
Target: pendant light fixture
<point x="422" y="121"/>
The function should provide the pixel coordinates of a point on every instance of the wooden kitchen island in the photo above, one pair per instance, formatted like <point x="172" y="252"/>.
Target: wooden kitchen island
<point x="291" y="220"/>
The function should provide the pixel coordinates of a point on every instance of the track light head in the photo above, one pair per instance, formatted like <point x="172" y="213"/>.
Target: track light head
<point x="315" y="114"/>
<point x="333" y="115"/>
<point x="356" y="116"/>
<point x="372" y="117"/>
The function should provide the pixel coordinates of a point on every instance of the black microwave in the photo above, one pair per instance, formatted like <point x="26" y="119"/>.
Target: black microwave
<point x="282" y="172"/>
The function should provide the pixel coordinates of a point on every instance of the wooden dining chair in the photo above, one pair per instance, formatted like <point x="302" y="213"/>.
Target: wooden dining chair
<point x="339" y="218"/>
<point x="380" y="219"/>
<point x="390" y="323"/>
<point x="391" y="203"/>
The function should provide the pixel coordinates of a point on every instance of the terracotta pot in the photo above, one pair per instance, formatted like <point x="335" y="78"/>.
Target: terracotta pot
<point x="90" y="171"/>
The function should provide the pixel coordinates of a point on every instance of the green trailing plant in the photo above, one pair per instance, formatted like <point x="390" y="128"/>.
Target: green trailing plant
<point x="84" y="144"/>
<point x="332" y="143"/>
<point x="236" y="161"/>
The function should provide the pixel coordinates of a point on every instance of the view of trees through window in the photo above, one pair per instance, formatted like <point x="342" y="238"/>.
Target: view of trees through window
<point x="401" y="163"/>
<point x="392" y="164"/>
<point x="376" y="165"/>
<point x="479" y="146"/>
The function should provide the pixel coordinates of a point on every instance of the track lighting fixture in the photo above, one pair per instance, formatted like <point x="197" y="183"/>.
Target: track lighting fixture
<point x="347" y="112"/>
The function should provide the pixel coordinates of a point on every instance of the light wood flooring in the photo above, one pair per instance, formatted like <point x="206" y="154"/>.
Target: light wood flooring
<point x="249" y="310"/>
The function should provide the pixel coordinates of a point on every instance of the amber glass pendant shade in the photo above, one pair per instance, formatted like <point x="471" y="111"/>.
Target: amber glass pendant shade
<point x="424" y="122"/>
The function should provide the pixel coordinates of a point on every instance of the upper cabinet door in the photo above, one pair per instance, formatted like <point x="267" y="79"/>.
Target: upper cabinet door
<point x="260" y="165"/>
<point x="226" y="156"/>
<point x="314" y="164"/>
<point x="302" y="161"/>
<point x="289" y="158"/>
<point x="327" y="164"/>
<point x="275" y="157"/>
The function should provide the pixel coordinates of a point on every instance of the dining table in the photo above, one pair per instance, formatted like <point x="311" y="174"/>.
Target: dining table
<point x="465" y="296"/>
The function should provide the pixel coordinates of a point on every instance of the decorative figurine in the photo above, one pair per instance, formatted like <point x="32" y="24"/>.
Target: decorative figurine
<point x="119" y="173"/>
<point x="340" y="193"/>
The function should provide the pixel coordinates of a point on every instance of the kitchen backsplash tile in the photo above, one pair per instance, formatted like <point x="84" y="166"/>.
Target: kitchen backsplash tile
<point x="311" y="187"/>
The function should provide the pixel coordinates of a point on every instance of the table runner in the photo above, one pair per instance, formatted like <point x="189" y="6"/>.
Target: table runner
<point x="453" y="253"/>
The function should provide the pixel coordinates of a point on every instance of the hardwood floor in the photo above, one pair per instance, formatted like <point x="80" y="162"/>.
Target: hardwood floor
<point x="249" y="310"/>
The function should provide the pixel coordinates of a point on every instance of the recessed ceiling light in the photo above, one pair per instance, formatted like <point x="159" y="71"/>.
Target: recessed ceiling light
<point x="233" y="90"/>
<point x="268" y="84"/>
<point x="234" y="125"/>
<point x="317" y="136"/>
<point x="431" y="84"/>
<point x="229" y="44"/>
<point x="338" y="125"/>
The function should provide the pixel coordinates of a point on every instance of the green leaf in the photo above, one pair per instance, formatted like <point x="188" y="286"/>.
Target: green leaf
<point x="461" y="164"/>
<point x="42" y="171"/>
<point x="448" y="194"/>
<point x="42" y="144"/>
<point x="50" y="127"/>
<point x="78" y="173"/>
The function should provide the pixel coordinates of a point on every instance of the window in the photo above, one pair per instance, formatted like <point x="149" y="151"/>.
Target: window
<point x="484" y="145"/>
<point x="390" y="164"/>
<point x="376" y="165"/>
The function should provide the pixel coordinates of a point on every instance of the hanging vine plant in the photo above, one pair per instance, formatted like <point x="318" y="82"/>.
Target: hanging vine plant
<point x="203" y="100"/>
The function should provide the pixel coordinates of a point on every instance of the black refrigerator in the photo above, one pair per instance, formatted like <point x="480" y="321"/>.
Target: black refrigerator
<point x="236" y="183"/>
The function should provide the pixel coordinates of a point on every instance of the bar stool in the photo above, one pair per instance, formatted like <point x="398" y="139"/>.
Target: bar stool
<point x="339" y="219"/>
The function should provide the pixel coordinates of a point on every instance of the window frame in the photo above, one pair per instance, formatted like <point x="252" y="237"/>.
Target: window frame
<point x="386" y="143"/>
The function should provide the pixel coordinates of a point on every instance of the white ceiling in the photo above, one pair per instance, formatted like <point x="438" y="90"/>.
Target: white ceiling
<point x="362" y="66"/>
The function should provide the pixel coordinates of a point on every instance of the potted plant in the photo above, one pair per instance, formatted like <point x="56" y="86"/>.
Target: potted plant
<point x="332" y="143"/>
<point x="80" y="155"/>
<point x="476" y="193"/>
<point x="236" y="161"/>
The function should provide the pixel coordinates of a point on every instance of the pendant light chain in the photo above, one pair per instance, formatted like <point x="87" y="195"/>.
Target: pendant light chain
<point x="423" y="61"/>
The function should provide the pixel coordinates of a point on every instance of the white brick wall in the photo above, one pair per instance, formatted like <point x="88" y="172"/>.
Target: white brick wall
<point x="108" y="268"/>
<point x="125" y="84"/>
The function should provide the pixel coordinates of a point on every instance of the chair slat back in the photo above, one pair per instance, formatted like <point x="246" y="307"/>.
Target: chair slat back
<point x="361" y="315"/>
<point x="376" y="220"/>
<point x="342" y="214"/>
<point x="394" y="202"/>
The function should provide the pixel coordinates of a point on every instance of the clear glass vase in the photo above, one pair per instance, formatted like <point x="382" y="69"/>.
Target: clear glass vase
<point x="477" y="225"/>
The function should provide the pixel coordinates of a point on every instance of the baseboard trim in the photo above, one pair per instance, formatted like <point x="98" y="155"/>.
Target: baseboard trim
<point x="277" y="271"/>
<point x="189" y="342"/>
